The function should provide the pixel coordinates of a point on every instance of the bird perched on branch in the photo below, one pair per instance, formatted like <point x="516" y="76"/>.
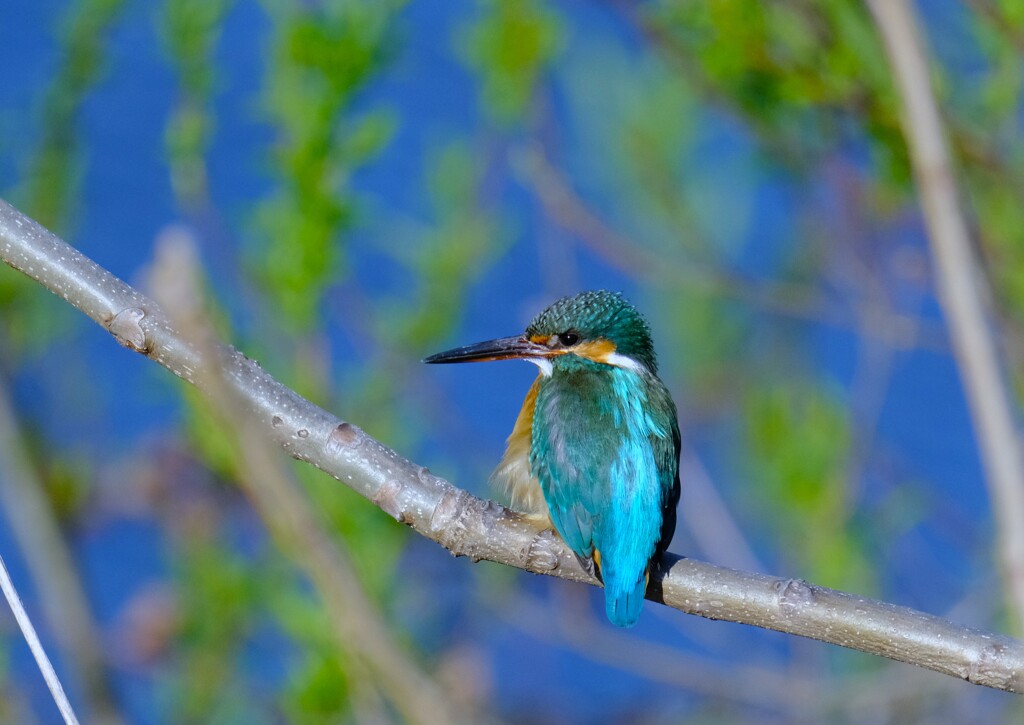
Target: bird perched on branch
<point x="596" y="445"/>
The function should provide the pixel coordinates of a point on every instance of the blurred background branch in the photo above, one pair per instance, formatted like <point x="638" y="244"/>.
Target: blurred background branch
<point x="359" y="629"/>
<point x="961" y="288"/>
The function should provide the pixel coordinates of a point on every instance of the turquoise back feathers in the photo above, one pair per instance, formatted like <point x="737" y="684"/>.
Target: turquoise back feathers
<point x="597" y="436"/>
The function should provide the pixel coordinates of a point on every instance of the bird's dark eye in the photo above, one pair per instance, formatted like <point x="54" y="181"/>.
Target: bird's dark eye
<point x="568" y="339"/>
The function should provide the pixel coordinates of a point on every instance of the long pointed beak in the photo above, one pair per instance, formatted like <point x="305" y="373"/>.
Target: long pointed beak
<point x="503" y="348"/>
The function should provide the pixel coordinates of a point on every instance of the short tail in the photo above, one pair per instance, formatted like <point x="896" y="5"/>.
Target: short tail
<point x="623" y="600"/>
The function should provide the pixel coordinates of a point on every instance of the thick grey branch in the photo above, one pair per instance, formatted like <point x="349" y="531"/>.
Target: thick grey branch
<point x="481" y="529"/>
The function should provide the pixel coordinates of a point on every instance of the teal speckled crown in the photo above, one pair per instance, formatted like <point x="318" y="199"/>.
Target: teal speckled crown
<point x="600" y="314"/>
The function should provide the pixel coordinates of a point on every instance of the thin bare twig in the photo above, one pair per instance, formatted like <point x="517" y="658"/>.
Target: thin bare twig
<point x="962" y="289"/>
<point x="481" y="529"/>
<point x="62" y="595"/>
<point x="29" y="632"/>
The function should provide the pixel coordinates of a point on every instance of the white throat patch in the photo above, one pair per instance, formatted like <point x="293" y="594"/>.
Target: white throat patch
<point x="543" y="363"/>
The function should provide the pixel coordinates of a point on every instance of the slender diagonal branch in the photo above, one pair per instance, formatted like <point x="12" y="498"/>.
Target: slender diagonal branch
<point x="481" y="529"/>
<point x="291" y="519"/>
<point x="29" y="632"/>
<point x="961" y="288"/>
<point x="62" y="596"/>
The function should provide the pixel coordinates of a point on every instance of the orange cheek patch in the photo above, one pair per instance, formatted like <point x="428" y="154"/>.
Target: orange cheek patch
<point x="540" y="339"/>
<point x="596" y="350"/>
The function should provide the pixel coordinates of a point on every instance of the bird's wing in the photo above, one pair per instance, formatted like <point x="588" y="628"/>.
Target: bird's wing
<point x="571" y="454"/>
<point x="605" y="450"/>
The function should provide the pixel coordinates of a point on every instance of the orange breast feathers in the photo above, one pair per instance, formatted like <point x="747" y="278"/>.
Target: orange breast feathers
<point x="514" y="470"/>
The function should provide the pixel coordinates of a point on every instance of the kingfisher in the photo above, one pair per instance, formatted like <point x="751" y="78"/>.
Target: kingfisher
<point x="595" y="449"/>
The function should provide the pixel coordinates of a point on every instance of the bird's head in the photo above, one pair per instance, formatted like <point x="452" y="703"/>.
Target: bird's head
<point x="598" y="326"/>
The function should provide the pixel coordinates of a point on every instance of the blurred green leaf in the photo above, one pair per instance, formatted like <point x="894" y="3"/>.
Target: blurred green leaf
<point x="191" y="30"/>
<point x="322" y="57"/>
<point x="53" y="179"/>
<point x="216" y="596"/>
<point x="800" y="446"/>
<point x="509" y="45"/>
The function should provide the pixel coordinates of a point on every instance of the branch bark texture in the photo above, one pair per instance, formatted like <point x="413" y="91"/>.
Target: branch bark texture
<point x="961" y="286"/>
<point x="482" y="529"/>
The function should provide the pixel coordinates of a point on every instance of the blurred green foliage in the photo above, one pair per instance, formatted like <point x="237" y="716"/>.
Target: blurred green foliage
<point x="191" y="30"/>
<point x="807" y="76"/>
<point x="509" y="45"/>
<point x="801" y="442"/>
<point x="321" y="57"/>
<point x="52" y="183"/>
<point x="219" y="588"/>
